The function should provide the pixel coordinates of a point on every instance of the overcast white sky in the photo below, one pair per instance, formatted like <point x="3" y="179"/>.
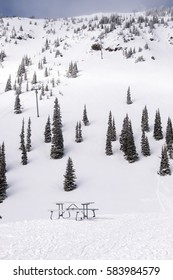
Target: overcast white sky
<point x="65" y="8"/>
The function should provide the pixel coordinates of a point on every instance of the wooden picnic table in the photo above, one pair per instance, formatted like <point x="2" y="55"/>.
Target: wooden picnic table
<point x="81" y="210"/>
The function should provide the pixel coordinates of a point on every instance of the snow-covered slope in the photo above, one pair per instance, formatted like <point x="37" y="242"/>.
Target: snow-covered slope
<point x="116" y="186"/>
<point x="121" y="237"/>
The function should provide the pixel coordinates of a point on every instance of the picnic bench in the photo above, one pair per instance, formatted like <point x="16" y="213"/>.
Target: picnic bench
<point x="66" y="210"/>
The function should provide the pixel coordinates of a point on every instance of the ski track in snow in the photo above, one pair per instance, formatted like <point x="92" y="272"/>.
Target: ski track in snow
<point x="119" y="237"/>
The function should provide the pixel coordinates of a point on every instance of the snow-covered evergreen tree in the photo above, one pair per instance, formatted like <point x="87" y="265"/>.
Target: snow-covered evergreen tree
<point x="17" y="105"/>
<point x="127" y="143"/>
<point x="129" y="100"/>
<point x="34" y="79"/>
<point x="70" y="177"/>
<point x="28" y="136"/>
<point x="24" y="159"/>
<point x="131" y="154"/>
<point x="47" y="132"/>
<point x="164" y="164"/>
<point x="72" y="70"/>
<point x="85" y="117"/>
<point x="108" y="148"/>
<point x="145" y="148"/>
<point x="8" y="84"/>
<point x="169" y="131"/>
<point x="78" y="134"/>
<point x="3" y="180"/>
<point x="22" y="135"/>
<point x="158" y="134"/>
<point x="144" y="120"/>
<point x="114" y="135"/>
<point x="57" y="146"/>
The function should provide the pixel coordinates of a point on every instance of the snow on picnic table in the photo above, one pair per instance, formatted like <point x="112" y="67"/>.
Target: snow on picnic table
<point x="138" y="236"/>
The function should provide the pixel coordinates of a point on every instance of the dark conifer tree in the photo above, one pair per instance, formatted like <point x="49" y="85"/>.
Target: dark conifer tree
<point x="3" y="158"/>
<point x="24" y="158"/>
<point x="70" y="177"/>
<point x="114" y="137"/>
<point x="3" y="180"/>
<point x="108" y="148"/>
<point x="127" y="144"/>
<point x="129" y="100"/>
<point x="78" y="135"/>
<point x="28" y="137"/>
<point x="47" y="132"/>
<point x="164" y="164"/>
<point x="131" y="155"/>
<point x="46" y="72"/>
<point x="169" y="138"/>
<point x="22" y="135"/>
<point x="34" y="79"/>
<point x="8" y="84"/>
<point x="145" y="148"/>
<point x="158" y="134"/>
<point x="85" y="117"/>
<point x="57" y="147"/>
<point x="17" y="105"/>
<point x="123" y="136"/>
<point x="169" y="131"/>
<point x="144" y="120"/>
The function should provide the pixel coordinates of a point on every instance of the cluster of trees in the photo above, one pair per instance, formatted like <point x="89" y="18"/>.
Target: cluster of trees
<point x="127" y="143"/>
<point x="72" y="70"/>
<point x="25" y="146"/>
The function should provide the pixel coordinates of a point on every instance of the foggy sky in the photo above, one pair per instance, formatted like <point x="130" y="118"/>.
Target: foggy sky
<point x="65" y="8"/>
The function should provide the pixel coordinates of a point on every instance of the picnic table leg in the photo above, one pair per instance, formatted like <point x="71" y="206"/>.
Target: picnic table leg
<point x="60" y="210"/>
<point x="85" y="211"/>
<point x="51" y="215"/>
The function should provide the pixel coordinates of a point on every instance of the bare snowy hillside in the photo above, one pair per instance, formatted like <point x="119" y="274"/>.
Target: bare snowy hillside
<point x="112" y="53"/>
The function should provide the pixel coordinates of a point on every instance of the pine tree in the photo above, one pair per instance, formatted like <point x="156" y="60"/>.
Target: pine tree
<point x="24" y="159"/>
<point x="131" y="155"/>
<point x="8" y="84"/>
<point x="46" y="72"/>
<point x="164" y="164"/>
<point x="169" y="131"/>
<point x="144" y="120"/>
<point x="3" y="180"/>
<point x="123" y="135"/>
<point x="169" y="138"/>
<point x="129" y="101"/>
<point x="47" y="132"/>
<point x="17" y="105"/>
<point x="3" y="158"/>
<point x="114" y="137"/>
<point x="108" y="148"/>
<point x="72" y="70"/>
<point x="28" y="136"/>
<point x="158" y="134"/>
<point x="22" y="135"/>
<point x="78" y="135"/>
<point x="85" y="117"/>
<point x="145" y="148"/>
<point x="57" y="147"/>
<point x="127" y="144"/>
<point x="34" y="79"/>
<point x="70" y="177"/>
